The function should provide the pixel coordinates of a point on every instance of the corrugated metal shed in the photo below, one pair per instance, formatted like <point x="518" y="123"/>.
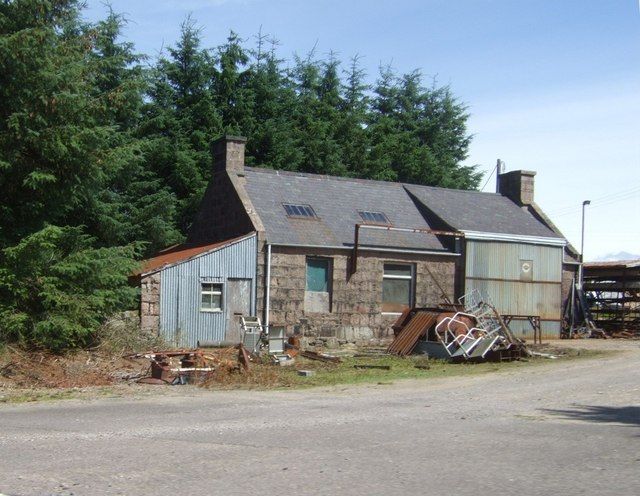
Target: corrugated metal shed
<point x="231" y="264"/>
<point x="520" y="279"/>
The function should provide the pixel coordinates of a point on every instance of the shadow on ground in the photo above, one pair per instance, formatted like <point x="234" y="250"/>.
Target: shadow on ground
<point x="629" y="415"/>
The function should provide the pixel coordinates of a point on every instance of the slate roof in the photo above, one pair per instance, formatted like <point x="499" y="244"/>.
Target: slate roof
<point x="483" y="212"/>
<point x="336" y="202"/>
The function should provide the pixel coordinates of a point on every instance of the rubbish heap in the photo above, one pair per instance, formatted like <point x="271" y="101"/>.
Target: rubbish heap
<point x="470" y="331"/>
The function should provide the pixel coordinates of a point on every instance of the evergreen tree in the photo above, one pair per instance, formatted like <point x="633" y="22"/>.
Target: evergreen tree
<point x="133" y="204"/>
<point x="56" y="137"/>
<point x="180" y="120"/>
<point x="56" y="289"/>
<point x="352" y="133"/>
<point x="231" y="89"/>
<point x="271" y="141"/>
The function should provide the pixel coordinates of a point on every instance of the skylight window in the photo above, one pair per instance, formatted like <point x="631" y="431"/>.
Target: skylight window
<point x="299" y="210"/>
<point x="376" y="217"/>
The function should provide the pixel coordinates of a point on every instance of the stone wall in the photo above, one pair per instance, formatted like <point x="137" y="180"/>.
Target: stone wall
<point x="355" y="313"/>
<point x="222" y="214"/>
<point x="569" y="273"/>
<point x="150" y="303"/>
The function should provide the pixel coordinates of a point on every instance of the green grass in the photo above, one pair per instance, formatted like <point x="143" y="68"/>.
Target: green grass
<point x="265" y="377"/>
<point x="400" y="368"/>
<point x="42" y="394"/>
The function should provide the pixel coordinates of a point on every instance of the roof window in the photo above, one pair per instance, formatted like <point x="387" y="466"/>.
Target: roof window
<point x="299" y="210"/>
<point x="375" y="217"/>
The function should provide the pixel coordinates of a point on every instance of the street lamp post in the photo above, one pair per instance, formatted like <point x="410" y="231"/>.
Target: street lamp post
<point x="581" y="274"/>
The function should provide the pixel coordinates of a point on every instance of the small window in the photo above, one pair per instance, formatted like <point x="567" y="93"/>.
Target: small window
<point x="211" y="297"/>
<point x="299" y="210"/>
<point x="526" y="270"/>
<point x="397" y="288"/>
<point x="374" y="217"/>
<point x="318" y="275"/>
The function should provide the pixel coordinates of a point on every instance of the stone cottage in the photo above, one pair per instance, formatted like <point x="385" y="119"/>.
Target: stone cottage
<point x="342" y="257"/>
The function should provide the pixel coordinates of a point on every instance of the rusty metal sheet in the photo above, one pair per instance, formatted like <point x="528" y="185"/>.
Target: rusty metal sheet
<point x="407" y="339"/>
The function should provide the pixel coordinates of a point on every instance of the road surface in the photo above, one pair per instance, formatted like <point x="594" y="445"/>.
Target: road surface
<point x="564" y="428"/>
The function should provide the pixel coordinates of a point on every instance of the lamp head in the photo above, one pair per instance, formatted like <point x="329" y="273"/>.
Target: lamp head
<point x="586" y="202"/>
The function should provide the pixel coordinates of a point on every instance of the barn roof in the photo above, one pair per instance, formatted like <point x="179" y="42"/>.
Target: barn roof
<point x="181" y="253"/>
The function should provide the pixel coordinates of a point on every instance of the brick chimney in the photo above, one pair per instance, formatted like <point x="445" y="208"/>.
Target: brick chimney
<point x="228" y="154"/>
<point x="517" y="185"/>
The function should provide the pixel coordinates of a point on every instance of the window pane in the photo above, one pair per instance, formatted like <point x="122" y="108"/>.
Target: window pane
<point x="299" y="210"/>
<point x="378" y="217"/>
<point x="317" y="275"/>
<point x="211" y="296"/>
<point x="216" y="302"/>
<point x="206" y="300"/>
<point x="397" y="270"/>
<point x="396" y="294"/>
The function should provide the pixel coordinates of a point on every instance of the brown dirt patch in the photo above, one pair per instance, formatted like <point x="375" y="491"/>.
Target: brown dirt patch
<point x="20" y="369"/>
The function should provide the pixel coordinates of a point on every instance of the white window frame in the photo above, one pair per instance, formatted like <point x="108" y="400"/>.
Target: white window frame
<point x="411" y="277"/>
<point x="213" y="292"/>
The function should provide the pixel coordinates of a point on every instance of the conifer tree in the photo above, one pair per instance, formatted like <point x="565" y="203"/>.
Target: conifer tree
<point x="56" y="138"/>
<point x="180" y="121"/>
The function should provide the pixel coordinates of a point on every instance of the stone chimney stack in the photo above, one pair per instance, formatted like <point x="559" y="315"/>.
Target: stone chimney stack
<point x="228" y="154"/>
<point x="517" y="186"/>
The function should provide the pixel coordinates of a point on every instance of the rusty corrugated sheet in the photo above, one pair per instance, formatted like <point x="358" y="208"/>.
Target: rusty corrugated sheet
<point x="181" y="253"/>
<point x="408" y="337"/>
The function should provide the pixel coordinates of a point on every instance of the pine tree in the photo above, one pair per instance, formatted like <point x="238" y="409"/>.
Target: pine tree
<point x="133" y="205"/>
<point x="57" y="132"/>
<point x="180" y="121"/>
<point x="271" y="141"/>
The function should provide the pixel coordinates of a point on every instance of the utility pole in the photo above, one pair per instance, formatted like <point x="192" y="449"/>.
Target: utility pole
<point x="581" y="273"/>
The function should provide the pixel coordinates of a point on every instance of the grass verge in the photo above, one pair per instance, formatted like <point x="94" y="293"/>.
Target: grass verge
<point x="269" y="377"/>
<point x="348" y="372"/>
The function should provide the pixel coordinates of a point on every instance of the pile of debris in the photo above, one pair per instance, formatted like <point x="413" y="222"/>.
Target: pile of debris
<point x="188" y="366"/>
<point x="471" y="331"/>
<point x="223" y="358"/>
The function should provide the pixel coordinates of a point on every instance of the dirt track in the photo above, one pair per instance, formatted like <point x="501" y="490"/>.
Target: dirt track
<point x="562" y="428"/>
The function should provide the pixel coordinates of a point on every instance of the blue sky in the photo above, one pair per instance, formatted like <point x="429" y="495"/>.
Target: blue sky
<point x="552" y="86"/>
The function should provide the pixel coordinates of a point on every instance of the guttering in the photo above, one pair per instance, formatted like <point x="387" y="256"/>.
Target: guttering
<point x="370" y="248"/>
<point x="514" y="238"/>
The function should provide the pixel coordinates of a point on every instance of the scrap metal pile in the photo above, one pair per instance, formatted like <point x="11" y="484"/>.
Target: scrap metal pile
<point x="188" y="366"/>
<point x="473" y="331"/>
<point x="612" y="295"/>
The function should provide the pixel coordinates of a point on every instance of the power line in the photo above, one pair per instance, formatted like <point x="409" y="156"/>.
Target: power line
<point x="613" y="197"/>
<point x="490" y="175"/>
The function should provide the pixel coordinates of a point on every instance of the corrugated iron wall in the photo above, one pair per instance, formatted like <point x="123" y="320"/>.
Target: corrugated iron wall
<point x="181" y="321"/>
<point x="496" y="268"/>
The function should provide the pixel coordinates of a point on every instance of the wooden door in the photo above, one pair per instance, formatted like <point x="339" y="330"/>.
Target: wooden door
<point x="238" y="303"/>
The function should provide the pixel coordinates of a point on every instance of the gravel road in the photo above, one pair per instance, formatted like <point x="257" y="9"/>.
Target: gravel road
<point x="564" y="428"/>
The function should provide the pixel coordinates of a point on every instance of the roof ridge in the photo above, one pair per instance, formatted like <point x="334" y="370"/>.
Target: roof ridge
<point x="311" y="175"/>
